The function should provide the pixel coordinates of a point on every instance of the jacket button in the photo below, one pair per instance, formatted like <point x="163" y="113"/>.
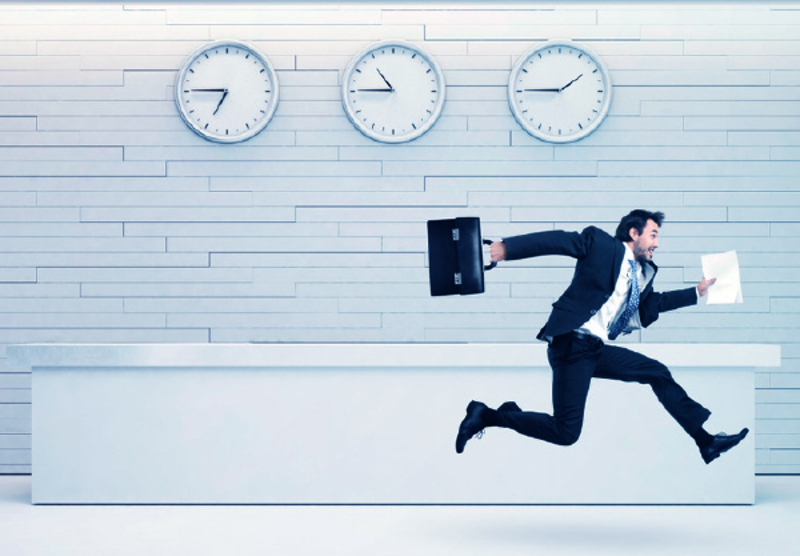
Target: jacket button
<point x="594" y="313"/>
<point x="608" y="296"/>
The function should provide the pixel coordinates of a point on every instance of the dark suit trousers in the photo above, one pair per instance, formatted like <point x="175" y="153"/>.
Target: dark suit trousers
<point x="575" y="360"/>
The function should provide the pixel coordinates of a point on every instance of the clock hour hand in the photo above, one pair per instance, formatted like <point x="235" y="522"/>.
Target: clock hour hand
<point x="224" y="94"/>
<point x="384" y="79"/>
<point x="570" y="83"/>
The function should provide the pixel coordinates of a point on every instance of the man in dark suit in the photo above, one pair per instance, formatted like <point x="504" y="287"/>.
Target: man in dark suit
<point x="611" y="294"/>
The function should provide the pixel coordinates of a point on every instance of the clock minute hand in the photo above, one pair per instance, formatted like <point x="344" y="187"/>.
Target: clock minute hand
<point x="542" y="90"/>
<point x="375" y="90"/>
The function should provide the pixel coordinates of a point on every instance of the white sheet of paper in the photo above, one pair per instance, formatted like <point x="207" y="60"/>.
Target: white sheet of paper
<point x="725" y="268"/>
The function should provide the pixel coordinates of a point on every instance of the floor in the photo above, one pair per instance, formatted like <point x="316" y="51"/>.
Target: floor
<point x="772" y="527"/>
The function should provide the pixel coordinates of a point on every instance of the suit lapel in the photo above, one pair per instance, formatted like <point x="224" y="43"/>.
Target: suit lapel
<point x="619" y="256"/>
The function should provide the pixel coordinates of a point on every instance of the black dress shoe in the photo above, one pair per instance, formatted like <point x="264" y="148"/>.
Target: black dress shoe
<point x="471" y="425"/>
<point x="509" y="406"/>
<point x="721" y="443"/>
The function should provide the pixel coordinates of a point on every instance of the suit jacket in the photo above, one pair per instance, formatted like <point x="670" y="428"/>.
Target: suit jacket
<point x="600" y="258"/>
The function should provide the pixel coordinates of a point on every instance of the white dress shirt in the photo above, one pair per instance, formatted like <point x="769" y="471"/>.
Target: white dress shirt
<point x="600" y="322"/>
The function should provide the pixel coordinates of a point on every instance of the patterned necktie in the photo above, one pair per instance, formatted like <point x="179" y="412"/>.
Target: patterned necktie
<point x="630" y="308"/>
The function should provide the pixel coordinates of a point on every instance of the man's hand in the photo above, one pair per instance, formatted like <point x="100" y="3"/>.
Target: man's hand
<point x="498" y="251"/>
<point x="702" y="287"/>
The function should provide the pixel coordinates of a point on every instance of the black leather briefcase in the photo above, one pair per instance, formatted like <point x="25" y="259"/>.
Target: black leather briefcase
<point x="455" y="256"/>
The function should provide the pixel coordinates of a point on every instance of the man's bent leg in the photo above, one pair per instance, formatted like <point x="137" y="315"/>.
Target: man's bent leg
<point x="623" y="364"/>
<point x="573" y="359"/>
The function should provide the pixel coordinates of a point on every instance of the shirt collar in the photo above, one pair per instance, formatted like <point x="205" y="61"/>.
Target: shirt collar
<point x="648" y="270"/>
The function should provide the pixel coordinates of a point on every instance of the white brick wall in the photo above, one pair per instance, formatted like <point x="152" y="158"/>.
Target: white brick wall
<point x="118" y="224"/>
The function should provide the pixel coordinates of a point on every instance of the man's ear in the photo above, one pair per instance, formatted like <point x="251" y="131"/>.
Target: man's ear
<point x="633" y="233"/>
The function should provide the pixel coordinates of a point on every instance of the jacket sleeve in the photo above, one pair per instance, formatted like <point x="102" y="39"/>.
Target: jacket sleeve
<point x="557" y="242"/>
<point x="656" y="302"/>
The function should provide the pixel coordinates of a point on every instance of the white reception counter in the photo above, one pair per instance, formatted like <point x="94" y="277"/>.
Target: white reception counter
<point x="368" y="424"/>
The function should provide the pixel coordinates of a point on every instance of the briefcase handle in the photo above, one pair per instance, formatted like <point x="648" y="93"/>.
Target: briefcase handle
<point x="493" y="264"/>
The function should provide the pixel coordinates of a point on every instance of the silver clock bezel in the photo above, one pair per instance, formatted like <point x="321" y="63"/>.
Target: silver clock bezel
<point x="421" y="130"/>
<point x="527" y="125"/>
<point x="254" y="130"/>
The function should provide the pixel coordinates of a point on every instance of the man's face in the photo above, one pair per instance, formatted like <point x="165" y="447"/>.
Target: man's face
<point x="644" y="244"/>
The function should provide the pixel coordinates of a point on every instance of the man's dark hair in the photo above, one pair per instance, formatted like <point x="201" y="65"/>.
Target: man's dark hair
<point x="637" y="219"/>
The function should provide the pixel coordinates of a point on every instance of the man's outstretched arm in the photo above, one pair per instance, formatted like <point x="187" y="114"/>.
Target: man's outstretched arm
<point x="658" y="302"/>
<point x="555" y="242"/>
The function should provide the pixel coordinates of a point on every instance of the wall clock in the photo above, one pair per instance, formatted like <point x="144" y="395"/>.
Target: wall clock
<point x="559" y="91"/>
<point x="226" y="91"/>
<point x="393" y="91"/>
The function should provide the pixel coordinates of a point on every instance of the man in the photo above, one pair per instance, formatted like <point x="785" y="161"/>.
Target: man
<point x="611" y="293"/>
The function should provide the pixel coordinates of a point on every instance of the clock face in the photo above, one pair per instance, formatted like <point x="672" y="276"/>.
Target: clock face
<point x="226" y="92"/>
<point x="393" y="91"/>
<point x="559" y="91"/>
